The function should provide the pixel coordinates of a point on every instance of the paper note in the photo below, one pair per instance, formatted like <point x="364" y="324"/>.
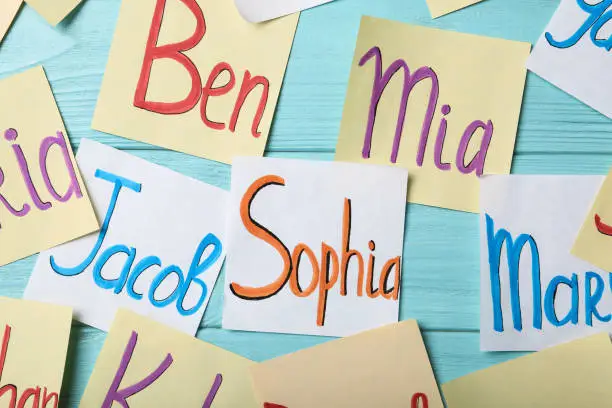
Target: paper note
<point x="34" y="340"/>
<point x="396" y="374"/>
<point x="194" y="76"/>
<point x="8" y="11"/>
<point x="439" y="8"/>
<point x="534" y="293"/>
<point x="573" y="53"/>
<point x="159" y="251"/>
<point x="146" y="364"/>
<point x="443" y="104"/>
<point x="257" y="11"/>
<point x="575" y="374"/>
<point x="316" y="247"/>
<point x="43" y="201"/>
<point x="53" y="11"/>
<point x="595" y="237"/>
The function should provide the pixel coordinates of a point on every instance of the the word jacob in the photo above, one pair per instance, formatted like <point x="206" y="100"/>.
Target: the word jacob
<point x="337" y="256"/>
<point x="203" y="80"/>
<point x="159" y="250"/>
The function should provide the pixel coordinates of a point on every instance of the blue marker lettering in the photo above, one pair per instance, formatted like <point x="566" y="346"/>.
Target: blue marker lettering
<point x="551" y="294"/>
<point x="157" y="281"/>
<point x="118" y="283"/>
<point x="119" y="183"/>
<point x="597" y="18"/>
<point x="495" y="242"/>
<point x="196" y="269"/>
<point x="592" y="299"/>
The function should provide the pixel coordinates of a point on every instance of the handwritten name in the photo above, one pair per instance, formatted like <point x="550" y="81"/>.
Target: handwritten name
<point x="594" y="285"/>
<point x="381" y="80"/>
<point x="120" y="396"/>
<point x="326" y="272"/>
<point x="21" y="210"/>
<point x="31" y="395"/>
<point x="130" y="273"/>
<point x="176" y="52"/>
<point x="597" y="17"/>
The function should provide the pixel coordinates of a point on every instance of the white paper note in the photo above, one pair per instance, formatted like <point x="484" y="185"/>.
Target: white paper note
<point x="281" y="209"/>
<point x="256" y="11"/>
<point x="159" y="252"/>
<point x="528" y="226"/>
<point x="573" y="53"/>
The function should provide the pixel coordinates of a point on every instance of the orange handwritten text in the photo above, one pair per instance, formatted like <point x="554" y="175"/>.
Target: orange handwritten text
<point x="326" y="273"/>
<point x="30" y="395"/>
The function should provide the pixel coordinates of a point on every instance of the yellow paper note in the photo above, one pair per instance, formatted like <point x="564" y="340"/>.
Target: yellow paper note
<point x="202" y="80"/>
<point x="595" y="236"/>
<point x="575" y="374"/>
<point x="33" y="354"/>
<point x="8" y="11"/>
<point x="448" y="113"/>
<point x="385" y="367"/>
<point x="172" y="369"/>
<point x="439" y="8"/>
<point x="53" y="11"/>
<point x="43" y="201"/>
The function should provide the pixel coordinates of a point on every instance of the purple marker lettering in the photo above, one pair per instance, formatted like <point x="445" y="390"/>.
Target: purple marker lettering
<point x="11" y="136"/>
<point x="121" y="396"/>
<point x="19" y="213"/>
<point x="74" y="187"/>
<point x="440" y="141"/>
<point x="380" y="82"/>
<point x="478" y="162"/>
<point x="213" y="391"/>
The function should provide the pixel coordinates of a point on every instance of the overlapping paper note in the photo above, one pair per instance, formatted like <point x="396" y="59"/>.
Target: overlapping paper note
<point x="159" y="251"/>
<point x="534" y="293"/>
<point x="257" y="11"/>
<point x="194" y="76"/>
<point x="33" y="354"/>
<point x="443" y="104"/>
<point x="575" y="374"/>
<point x="385" y="367"/>
<point x="595" y="238"/>
<point x="8" y="11"/>
<point x="43" y="201"/>
<point x="146" y="364"/>
<point x="573" y="52"/>
<point x="53" y="11"/>
<point x="315" y="247"/>
<point x="439" y="8"/>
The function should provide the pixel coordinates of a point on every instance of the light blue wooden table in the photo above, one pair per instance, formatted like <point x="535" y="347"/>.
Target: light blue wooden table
<point x="557" y="135"/>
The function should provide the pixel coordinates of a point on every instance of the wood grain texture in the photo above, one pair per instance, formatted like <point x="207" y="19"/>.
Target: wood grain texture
<point x="557" y="135"/>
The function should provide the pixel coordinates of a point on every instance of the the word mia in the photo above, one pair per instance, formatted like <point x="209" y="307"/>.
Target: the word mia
<point x="543" y="303"/>
<point x="326" y="272"/>
<point x="131" y="270"/>
<point x="37" y="200"/>
<point x="411" y="79"/>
